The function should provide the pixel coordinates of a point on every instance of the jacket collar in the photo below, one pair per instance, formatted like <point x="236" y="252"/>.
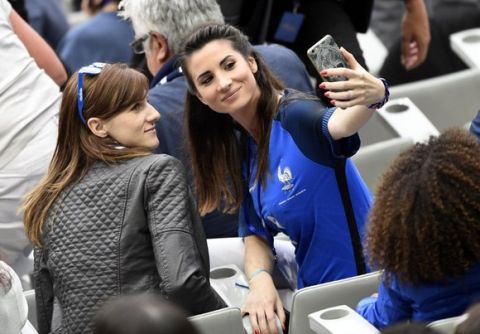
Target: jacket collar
<point x="167" y="73"/>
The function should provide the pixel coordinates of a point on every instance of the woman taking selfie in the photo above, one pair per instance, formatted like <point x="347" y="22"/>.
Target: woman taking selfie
<point x="295" y="162"/>
<point x="111" y="218"/>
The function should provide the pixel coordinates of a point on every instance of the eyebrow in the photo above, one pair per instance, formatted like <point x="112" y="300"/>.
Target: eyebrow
<point x="222" y="62"/>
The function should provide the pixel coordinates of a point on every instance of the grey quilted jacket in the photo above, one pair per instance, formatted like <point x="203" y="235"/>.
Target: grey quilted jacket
<point x="124" y="228"/>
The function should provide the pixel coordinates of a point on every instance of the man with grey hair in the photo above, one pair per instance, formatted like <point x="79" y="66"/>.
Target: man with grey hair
<point x="160" y="26"/>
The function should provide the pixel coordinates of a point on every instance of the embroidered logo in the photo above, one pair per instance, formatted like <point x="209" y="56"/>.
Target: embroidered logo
<point x="285" y="177"/>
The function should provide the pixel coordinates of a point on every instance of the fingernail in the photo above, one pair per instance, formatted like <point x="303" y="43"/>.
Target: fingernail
<point x="324" y="72"/>
<point x="257" y="331"/>
<point x="332" y="102"/>
<point x="283" y="327"/>
<point x="322" y="85"/>
<point x="327" y="94"/>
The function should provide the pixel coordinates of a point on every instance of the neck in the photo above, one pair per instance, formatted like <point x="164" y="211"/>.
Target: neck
<point x="110" y="7"/>
<point x="249" y="122"/>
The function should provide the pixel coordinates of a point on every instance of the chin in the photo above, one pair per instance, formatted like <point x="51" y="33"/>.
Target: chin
<point x="154" y="145"/>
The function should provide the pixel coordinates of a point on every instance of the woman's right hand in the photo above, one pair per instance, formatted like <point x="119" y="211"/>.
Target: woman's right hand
<point x="263" y="305"/>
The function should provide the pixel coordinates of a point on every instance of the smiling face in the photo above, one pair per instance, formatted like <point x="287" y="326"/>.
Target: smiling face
<point x="135" y="126"/>
<point x="224" y="80"/>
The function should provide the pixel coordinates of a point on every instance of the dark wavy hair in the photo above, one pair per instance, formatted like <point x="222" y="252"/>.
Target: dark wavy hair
<point x="141" y="314"/>
<point x="216" y="143"/>
<point x="425" y="221"/>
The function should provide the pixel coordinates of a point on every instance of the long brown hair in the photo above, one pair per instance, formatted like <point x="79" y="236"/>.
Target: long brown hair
<point x="105" y="95"/>
<point x="216" y="143"/>
<point x="425" y="221"/>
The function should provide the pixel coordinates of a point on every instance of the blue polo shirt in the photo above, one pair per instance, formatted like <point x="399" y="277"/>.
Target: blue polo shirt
<point x="104" y="38"/>
<point x="423" y="302"/>
<point x="312" y="193"/>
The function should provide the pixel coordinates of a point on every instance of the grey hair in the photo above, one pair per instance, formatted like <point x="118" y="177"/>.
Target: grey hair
<point x="174" y="19"/>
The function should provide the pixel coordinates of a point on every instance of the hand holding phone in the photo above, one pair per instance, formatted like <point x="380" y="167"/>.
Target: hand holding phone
<point x="326" y="54"/>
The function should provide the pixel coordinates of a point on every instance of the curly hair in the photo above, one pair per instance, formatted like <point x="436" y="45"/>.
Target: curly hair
<point x="425" y="222"/>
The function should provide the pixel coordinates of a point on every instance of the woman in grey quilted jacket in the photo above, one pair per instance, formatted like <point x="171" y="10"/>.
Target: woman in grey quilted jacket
<point x="111" y="218"/>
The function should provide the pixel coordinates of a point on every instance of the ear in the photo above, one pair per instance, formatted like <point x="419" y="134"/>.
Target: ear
<point x="97" y="126"/>
<point x="253" y="64"/>
<point x="158" y="45"/>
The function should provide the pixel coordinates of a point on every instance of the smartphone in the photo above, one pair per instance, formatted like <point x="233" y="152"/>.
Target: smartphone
<point x="326" y="54"/>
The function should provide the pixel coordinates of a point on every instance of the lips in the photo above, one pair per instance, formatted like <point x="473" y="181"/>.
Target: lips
<point x="230" y="94"/>
<point x="151" y="129"/>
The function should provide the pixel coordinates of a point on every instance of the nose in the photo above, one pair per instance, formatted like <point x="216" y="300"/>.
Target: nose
<point x="224" y="82"/>
<point x="153" y="114"/>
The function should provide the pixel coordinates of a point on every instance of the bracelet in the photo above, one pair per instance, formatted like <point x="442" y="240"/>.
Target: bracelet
<point x="256" y="272"/>
<point x="381" y="103"/>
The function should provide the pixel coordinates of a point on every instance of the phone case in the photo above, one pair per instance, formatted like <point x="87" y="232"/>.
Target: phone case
<point x="326" y="54"/>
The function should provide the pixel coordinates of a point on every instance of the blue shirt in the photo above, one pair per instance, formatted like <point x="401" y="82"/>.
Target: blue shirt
<point x="167" y="95"/>
<point x="475" y="126"/>
<point x="48" y="19"/>
<point x="302" y="197"/>
<point x="104" y="38"/>
<point x="421" y="302"/>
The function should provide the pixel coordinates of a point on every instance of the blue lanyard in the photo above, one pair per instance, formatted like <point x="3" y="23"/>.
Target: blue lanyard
<point x="265" y="232"/>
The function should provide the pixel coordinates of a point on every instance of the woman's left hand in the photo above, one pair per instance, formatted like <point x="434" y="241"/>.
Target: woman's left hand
<point x="361" y="88"/>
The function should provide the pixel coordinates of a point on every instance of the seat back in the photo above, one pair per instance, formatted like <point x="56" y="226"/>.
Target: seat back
<point x="32" y="307"/>
<point x="447" y="100"/>
<point x="347" y="291"/>
<point x="226" y="320"/>
<point x="447" y="325"/>
<point x="373" y="160"/>
<point x="376" y="130"/>
<point x="466" y="44"/>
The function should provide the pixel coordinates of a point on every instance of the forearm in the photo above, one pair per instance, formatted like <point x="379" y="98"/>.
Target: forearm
<point x="184" y="276"/>
<point x="346" y="122"/>
<point x="38" y="49"/>
<point x="412" y="5"/>
<point x="262" y="304"/>
<point x="415" y="34"/>
<point x="258" y="255"/>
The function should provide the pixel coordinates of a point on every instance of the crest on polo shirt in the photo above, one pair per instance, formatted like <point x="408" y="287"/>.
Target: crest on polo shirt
<point x="285" y="176"/>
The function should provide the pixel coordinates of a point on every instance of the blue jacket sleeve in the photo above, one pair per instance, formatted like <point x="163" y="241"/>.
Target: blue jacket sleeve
<point x="307" y="122"/>
<point x="475" y="126"/>
<point x="388" y="308"/>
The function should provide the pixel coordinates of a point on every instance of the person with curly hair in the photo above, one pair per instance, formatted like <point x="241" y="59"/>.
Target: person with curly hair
<point x="424" y="232"/>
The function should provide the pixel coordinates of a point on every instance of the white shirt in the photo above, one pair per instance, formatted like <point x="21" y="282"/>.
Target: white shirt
<point x="13" y="305"/>
<point x="29" y="98"/>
